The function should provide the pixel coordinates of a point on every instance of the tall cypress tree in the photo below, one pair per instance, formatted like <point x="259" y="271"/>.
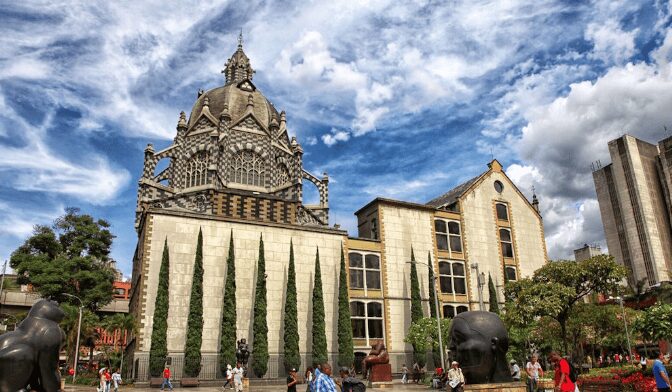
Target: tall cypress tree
<point x="416" y="300"/>
<point x="416" y="306"/>
<point x="159" y="348"/>
<point x="227" y="349"/>
<point x="432" y="286"/>
<point x="291" y="336"/>
<point x="494" y="305"/>
<point x="260" y="326"/>
<point x="319" y="333"/>
<point x="192" y="349"/>
<point x="346" y="355"/>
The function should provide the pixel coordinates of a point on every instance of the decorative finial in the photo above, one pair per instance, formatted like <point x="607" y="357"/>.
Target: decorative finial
<point x="250" y="100"/>
<point x="206" y="101"/>
<point x="240" y="38"/>
<point x="182" y="122"/>
<point x="200" y="92"/>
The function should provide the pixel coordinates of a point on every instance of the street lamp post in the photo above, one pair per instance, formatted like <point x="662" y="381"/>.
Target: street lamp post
<point x="79" y="330"/>
<point x="480" y="281"/>
<point x="436" y="307"/>
<point x="625" y="322"/>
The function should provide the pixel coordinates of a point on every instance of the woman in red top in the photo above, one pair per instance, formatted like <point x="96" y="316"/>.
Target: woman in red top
<point x="562" y="381"/>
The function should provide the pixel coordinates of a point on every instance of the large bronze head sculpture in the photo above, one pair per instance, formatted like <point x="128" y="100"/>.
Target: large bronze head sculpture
<point x="479" y="342"/>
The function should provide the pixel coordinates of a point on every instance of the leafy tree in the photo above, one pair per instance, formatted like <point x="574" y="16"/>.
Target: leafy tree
<point x="556" y="287"/>
<point x="319" y="333"/>
<point x="494" y="305"/>
<point x="227" y="349"/>
<point x="158" y="350"/>
<point x="291" y="336"/>
<point x="69" y="324"/>
<point x="432" y="286"/>
<point x="260" y="325"/>
<point x="655" y="323"/>
<point x="346" y="355"/>
<point x="70" y="257"/>
<point x="424" y="334"/>
<point x="192" y="349"/>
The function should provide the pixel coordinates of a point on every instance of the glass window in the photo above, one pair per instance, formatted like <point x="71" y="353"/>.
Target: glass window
<point x="247" y="168"/>
<point x="511" y="273"/>
<point x="448" y="311"/>
<point x="367" y="320"/>
<point x="506" y="242"/>
<point x="452" y="278"/>
<point x="448" y="235"/>
<point x="502" y="212"/>
<point x="364" y="271"/>
<point x="499" y="187"/>
<point x="283" y="174"/>
<point x="197" y="168"/>
<point x="462" y="309"/>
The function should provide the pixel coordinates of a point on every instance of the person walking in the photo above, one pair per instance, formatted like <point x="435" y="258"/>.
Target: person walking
<point x="323" y="381"/>
<point x="292" y="380"/>
<point x="229" y="377"/>
<point x="660" y="373"/>
<point x="309" y="377"/>
<point x="455" y="377"/>
<point x="534" y="371"/>
<point x="116" y="380"/>
<point x="166" y="378"/>
<point x="238" y="377"/>
<point x="515" y="370"/>
<point x="562" y="381"/>
<point x="404" y="374"/>
<point x="416" y="372"/>
<point x="102" y="381"/>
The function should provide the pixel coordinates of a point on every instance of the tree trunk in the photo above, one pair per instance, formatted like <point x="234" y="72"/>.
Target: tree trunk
<point x="563" y="328"/>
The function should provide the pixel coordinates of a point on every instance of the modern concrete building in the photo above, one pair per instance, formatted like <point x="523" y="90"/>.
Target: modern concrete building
<point x="233" y="171"/>
<point x="586" y="252"/>
<point x="635" y="204"/>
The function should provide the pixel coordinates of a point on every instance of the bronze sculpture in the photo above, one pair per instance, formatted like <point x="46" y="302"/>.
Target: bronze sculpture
<point x="243" y="353"/>
<point x="480" y="342"/>
<point x="377" y="355"/>
<point x="29" y="355"/>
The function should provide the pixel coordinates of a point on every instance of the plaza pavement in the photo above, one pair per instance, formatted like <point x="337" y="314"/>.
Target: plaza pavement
<point x="397" y="386"/>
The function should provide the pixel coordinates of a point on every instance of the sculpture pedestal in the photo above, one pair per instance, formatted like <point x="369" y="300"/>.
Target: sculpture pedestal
<point x="516" y="386"/>
<point x="380" y="373"/>
<point x="246" y="383"/>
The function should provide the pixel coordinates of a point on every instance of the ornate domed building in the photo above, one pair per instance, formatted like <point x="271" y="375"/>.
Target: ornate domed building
<point x="233" y="157"/>
<point x="234" y="174"/>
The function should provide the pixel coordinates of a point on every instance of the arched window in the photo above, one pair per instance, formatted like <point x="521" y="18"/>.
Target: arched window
<point x="502" y="212"/>
<point x="449" y="311"/>
<point x="197" y="170"/>
<point x="506" y="242"/>
<point x="247" y="168"/>
<point x="283" y="174"/>
<point x="510" y="273"/>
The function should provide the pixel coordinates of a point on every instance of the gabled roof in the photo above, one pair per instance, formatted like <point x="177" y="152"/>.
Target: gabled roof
<point x="452" y="195"/>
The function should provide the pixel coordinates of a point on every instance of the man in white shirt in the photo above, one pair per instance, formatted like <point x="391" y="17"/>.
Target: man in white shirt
<point x="534" y="371"/>
<point x="455" y="377"/>
<point x="238" y="377"/>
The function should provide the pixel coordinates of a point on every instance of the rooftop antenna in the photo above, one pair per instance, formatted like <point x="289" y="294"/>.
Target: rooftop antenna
<point x="240" y="38"/>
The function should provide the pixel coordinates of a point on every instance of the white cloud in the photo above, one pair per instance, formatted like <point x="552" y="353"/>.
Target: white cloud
<point x="335" y="136"/>
<point x="611" y="43"/>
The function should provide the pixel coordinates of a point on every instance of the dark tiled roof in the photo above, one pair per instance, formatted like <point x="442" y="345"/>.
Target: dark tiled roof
<point x="452" y="195"/>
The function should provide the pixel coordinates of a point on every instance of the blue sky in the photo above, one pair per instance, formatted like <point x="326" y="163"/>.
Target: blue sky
<point x="395" y="99"/>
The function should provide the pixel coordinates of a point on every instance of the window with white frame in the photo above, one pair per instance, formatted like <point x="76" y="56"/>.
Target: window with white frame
<point x="448" y="235"/>
<point x="366" y="320"/>
<point x="506" y="242"/>
<point x="247" y="168"/>
<point x="449" y="311"/>
<point x="452" y="279"/>
<point x="364" y="271"/>
<point x="510" y="273"/>
<point x="502" y="212"/>
<point x="197" y="170"/>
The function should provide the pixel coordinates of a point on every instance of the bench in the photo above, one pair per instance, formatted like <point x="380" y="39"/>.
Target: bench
<point x="189" y="382"/>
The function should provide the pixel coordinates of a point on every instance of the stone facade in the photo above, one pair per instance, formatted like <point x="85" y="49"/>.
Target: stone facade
<point x="635" y="208"/>
<point x="233" y="171"/>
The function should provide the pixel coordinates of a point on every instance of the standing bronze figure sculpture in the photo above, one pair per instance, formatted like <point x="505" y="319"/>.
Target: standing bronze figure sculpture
<point x="243" y="354"/>
<point x="29" y="355"/>
<point x="479" y="341"/>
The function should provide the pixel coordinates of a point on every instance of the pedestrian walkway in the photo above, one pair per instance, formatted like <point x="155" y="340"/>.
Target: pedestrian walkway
<point x="398" y="386"/>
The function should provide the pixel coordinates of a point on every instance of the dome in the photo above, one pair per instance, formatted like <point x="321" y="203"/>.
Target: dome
<point x="235" y="97"/>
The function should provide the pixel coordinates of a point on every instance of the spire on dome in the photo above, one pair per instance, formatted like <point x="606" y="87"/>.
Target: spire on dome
<point x="535" y="201"/>
<point x="238" y="67"/>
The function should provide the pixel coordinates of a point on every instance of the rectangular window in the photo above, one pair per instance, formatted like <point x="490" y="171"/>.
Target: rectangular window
<point x="367" y="320"/>
<point x="510" y="273"/>
<point x="448" y="235"/>
<point x="506" y="243"/>
<point x="364" y="271"/>
<point x="452" y="277"/>
<point x="502" y="212"/>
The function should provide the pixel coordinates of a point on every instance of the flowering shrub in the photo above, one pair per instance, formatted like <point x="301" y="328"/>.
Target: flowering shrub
<point x="630" y="378"/>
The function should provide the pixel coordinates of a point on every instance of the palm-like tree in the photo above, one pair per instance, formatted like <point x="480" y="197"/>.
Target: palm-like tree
<point x="125" y="324"/>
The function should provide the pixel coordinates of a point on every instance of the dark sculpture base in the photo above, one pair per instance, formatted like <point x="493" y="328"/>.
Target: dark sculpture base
<point x="380" y="373"/>
<point x="516" y="386"/>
